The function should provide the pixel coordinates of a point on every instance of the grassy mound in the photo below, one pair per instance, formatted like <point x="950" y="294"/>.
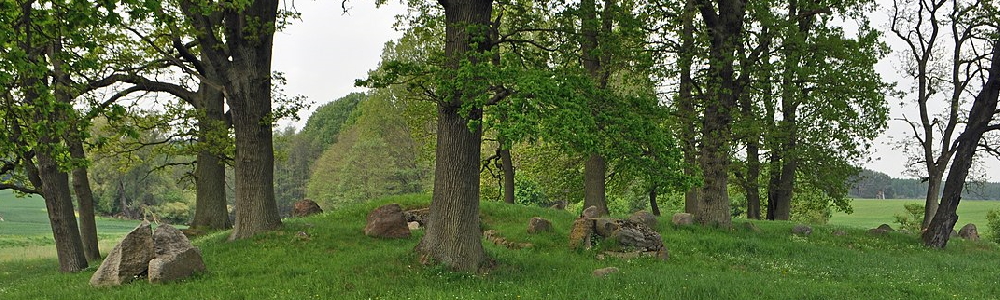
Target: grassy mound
<point x="338" y="261"/>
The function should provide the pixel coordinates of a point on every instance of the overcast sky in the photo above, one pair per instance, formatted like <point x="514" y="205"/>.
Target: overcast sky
<point x="324" y="53"/>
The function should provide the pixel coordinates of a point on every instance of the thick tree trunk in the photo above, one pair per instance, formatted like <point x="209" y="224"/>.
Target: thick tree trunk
<point x="725" y="27"/>
<point x="453" y="235"/>
<point x="59" y="204"/>
<point x="980" y="116"/>
<point x="508" y="176"/>
<point x="594" y="188"/>
<point x="933" y="196"/>
<point x="210" y="173"/>
<point x="85" y="200"/>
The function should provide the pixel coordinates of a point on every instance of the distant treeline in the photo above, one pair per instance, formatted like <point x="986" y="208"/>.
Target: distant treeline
<point x="877" y="185"/>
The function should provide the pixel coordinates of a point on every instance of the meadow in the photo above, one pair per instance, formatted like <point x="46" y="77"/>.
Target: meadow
<point x="870" y="213"/>
<point x="337" y="261"/>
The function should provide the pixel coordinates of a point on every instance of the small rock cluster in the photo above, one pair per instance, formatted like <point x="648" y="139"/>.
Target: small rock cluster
<point x="162" y="256"/>
<point x="628" y="233"/>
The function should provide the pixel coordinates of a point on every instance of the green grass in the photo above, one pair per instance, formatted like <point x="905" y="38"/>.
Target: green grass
<point x="870" y="213"/>
<point x="340" y="262"/>
<point x="25" y="232"/>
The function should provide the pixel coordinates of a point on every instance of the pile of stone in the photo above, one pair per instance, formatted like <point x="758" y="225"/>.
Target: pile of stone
<point x="161" y="256"/>
<point x="633" y="235"/>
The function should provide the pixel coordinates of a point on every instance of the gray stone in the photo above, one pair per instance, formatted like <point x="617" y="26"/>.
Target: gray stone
<point x="801" y="229"/>
<point x="387" y="221"/>
<point x="414" y="225"/>
<point x="881" y="229"/>
<point x="417" y="215"/>
<point x="969" y="232"/>
<point x="536" y="225"/>
<point x="683" y="219"/>
<point x="646" y="218"/>
<point x="591" y="212"/>
<point x="606" y="227"/>
<point x="604" y="271"/>
<point x="750" y="226"/>
<point x="128" y="260"/>
<point x="638" y="238"/>
<point x="176" y="258"/>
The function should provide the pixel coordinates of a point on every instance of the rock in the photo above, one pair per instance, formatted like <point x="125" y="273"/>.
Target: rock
<point x="387" y="221"/>
<point x="969" y="232"/>
<point x="417" y="215"/>
<point x="683" y="219"/>
<point x="494" y="237"/>
<point x="663" y="254"/>
<point x="801" y="229"/>
<point x="645" y="217"/>
<point x="305" y="207"/>
<point x="580" y="234"/>
<point x="606" y="227"/>
<point x="954" y="234"/>
<point x="175" y="257"/>
<point x="750" y="226"/>
<point x="414" y="225"/>
<point x="302" y="236"/>
<point x="560" y="205"/>
<point x="881" y="229"/>
<point x="536" y="225"/>
<point x="839" y="233"/>
<point x="591" y="212"/>
<point x="127" y="260"/>
<point x="638" y="238"/>
<point x="604" y="271"/>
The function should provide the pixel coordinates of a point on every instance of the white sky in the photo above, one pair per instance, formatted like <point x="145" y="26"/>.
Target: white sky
<point x="324" y="53"/>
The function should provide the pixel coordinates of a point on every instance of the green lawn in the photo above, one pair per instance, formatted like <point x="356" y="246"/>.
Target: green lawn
<point x="338" y="261"/>
<point x="870" y="213"/>
<point x="25" y="231"/>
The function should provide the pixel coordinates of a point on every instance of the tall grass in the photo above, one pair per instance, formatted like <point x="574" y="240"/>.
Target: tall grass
<point x="338" y="261"/>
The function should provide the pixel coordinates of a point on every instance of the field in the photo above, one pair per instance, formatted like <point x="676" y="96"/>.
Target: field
<point x="25" y="232"/>
<point x="870" y="213"/>
<point x="337" y="261"/>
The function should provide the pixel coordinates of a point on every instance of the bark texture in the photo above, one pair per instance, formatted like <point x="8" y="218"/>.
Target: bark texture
<point x="980" y="116"/>
<point x="725" y="25"/>
<point x="453" y="235"/>
<point x="508" y="176"/>
<point x="210" y="173"/>
<point x="85" y="201"/>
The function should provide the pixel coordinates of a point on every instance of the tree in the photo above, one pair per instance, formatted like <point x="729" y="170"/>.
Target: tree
<point x="981" y="116"/>
<point x="236" y="38"/>
<point x="942" y="56"/>
<point x="453" y="234"/>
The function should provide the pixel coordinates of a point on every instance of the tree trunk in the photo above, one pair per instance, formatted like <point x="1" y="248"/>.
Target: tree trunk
<point x="980" y="116"/>
<point x="687" y="113"/>
<point x="248" y="93"/>
<point x="210" y="173"/>
<point x="59" y="204"/>
<point x="725" y="28"/>
<point x="652" y="202"/>
<point x="85" y="199"/>
<point x="453" y="235"/>
<point x="751" y="182"/>
<point x="508" y="176"/>
<point x="594" y="188"/>
<point x="934" y="180"/>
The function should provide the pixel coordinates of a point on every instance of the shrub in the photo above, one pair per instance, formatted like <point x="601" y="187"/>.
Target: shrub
<point x="913" y="219"/>
<point x="993" y="223"/>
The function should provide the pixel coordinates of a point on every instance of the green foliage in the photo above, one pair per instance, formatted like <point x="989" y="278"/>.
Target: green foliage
<point x="373" y="157"/>
<point x="329" y="119"/>
<point x="913" y="219"/>
<point x="754" y="265"/>
<point x="993" y="225"/>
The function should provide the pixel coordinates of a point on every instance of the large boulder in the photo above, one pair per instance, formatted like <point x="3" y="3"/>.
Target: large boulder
<point x="683" y="219"/>
<point x="387" y="221"/>
<point x="128" y="260"/>
<point x="536" y="225"/>
<point x="969" y="232"/>
<point x="175" y="257"/>
<point x="606" y="227"/>
<point x="645" y="217"/>
<point x="305" y="207"/>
